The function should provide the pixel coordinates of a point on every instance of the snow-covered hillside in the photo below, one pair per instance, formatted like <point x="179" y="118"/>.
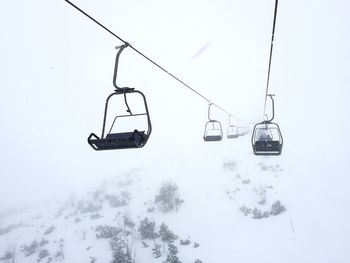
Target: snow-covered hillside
<point x="237" y="207"/>
<point x="212" y="200"/>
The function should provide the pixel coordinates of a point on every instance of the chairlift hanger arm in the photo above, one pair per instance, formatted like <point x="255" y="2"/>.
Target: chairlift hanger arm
<point x="119" y="90"/>
<point x="210" y="104"/>
<point x="229" y="119"/>
<point x="115" y="74"/>
<point x="273" y="108"/>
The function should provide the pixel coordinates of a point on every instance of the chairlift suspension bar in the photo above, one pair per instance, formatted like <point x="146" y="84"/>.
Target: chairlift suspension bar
<point x="272" y="39"/>
<point x="120" y="50"/>
<point x="146" y="57"/>
<point x="210" y="104"/>
<point x="273" y="108"/>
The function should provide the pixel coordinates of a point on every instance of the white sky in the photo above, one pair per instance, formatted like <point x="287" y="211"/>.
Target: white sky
<point x="56" y="70"/>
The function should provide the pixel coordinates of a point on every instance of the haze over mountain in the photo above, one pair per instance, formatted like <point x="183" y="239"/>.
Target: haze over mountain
<point x="56" y="71"/>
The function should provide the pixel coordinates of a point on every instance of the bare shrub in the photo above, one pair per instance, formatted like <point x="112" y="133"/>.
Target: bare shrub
<point x="168" y="197"/>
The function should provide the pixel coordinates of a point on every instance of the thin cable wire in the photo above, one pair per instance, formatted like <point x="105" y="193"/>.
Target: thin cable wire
<point x="268" y="73"/>
<point x="150" y="60"/>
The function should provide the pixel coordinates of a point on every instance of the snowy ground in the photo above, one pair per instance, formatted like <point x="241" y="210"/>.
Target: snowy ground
<point x="314" y="227"/>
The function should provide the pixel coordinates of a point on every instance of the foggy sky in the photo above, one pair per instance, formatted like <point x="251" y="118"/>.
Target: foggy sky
<point x="56" y="70"/>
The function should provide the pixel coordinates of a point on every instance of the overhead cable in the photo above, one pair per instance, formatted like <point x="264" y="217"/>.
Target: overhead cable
<point x="268" y="73"/>
<point x="150" y="60"/>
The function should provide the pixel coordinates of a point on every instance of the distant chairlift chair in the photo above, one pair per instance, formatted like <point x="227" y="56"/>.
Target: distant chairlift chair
<point x="232" y="130"/>
<point x="121" y="140"/>
<point x="212" y="130"/>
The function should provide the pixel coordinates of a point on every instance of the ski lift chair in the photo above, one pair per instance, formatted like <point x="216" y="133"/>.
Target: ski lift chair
<point x="232" y="130"/>
<point x="212" y="130"/>
<point x="240" y="131"/>
<point x="122" y="140"/>
<point x="267" y="137"/>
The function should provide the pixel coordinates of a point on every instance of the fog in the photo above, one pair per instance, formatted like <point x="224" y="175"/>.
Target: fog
<point x="56" y="71"/>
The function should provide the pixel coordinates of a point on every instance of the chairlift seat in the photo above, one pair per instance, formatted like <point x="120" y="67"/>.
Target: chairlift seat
<point x="122" y="140"/>
<point x="266" y="147"/>
<point x="232" y="136"/>
<point x="212" y="138"/>
<point x="232" y="132"/>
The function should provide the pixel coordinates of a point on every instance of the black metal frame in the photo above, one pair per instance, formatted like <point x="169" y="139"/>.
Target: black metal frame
<point x="212" y="138"/>
<point x="267" y="147"/>
<point x="124" y="140"/>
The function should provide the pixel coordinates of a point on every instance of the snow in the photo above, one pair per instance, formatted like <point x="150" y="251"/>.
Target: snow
<point x="314" y="226"/>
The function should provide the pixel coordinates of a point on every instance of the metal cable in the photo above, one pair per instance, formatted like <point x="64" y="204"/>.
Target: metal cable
<point x="150" y="60"/>
<point x="268" y="73"/>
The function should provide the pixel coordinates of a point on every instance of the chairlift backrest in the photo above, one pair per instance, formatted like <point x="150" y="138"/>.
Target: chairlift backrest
<point x="212" y="129"/>
<point x="232" y="132"/>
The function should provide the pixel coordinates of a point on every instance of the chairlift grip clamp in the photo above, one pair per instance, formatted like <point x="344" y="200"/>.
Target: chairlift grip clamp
<point x="126" y="44"/>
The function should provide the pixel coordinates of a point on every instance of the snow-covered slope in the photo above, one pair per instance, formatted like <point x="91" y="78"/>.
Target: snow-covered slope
<point x="217" y="212"/>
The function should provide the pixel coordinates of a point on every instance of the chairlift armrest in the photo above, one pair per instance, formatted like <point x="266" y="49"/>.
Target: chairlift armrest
<point x="93" y="135"/>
